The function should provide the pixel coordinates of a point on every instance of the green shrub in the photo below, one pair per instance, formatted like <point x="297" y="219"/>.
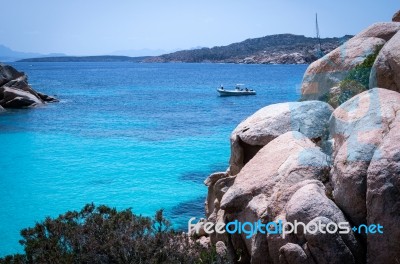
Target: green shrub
<point x="361" y="72"/>
<point x="104" y="235"/>
<point x="356" y="81"/>
<point x="346" y="90"/>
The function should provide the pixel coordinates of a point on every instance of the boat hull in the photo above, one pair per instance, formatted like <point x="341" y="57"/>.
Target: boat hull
<point x="234" y="92"/>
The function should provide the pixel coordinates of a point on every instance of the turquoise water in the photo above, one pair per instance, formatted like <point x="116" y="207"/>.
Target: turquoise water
<point x="127" y="135"/>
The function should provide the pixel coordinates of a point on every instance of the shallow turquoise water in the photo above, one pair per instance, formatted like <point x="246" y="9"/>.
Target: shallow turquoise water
<point x="127" y="135"/>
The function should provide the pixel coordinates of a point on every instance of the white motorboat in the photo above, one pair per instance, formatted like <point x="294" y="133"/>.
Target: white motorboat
<point x="238" y="91"/>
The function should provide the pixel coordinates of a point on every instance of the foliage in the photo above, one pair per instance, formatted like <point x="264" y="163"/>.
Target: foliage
<point x="282" y="43"/>
<point x="104" y="235"/>
<point x="356" y="81"/>
<point x="361" y="72"/>
<point x="346" y="90"/>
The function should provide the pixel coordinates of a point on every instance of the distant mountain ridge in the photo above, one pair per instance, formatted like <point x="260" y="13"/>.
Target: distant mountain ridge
<point x="7" y="54"/>
<point x="279" y="49"/>
<point x="104" y="58"/>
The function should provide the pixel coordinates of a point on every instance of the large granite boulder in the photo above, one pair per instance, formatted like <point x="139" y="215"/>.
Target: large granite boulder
<point x="310" y="204"/>
<point x="309" y="118"/>
<point x="396" y="17"/>
<point x="288" y="160"/>
<point x="276" y="212"/>
<point x="330" y="70"/>
<point x="383" y="197"/>
<point x="358" y="127"/>
<point x="386" y="69"/>
<point x="382" y="30"/>
<point x="327" y="72"/>
<point x="292" y="253"/>
<point x="329" y="248"/>
<point x="15" y="92"/>
<point x="288" y="180"/>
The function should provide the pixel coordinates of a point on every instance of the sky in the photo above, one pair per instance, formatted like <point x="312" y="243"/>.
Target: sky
<point x="94" y="27"/>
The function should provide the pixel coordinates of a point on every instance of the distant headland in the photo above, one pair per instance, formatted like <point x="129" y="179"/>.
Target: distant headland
<point x="273" y="49"/>
<point x="104" y="58"/>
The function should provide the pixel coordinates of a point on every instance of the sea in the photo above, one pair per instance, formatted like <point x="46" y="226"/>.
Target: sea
<point x="127" y="135"/>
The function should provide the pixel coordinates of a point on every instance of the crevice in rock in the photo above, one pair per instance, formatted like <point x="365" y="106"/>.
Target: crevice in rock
<point x="249" y="151"/>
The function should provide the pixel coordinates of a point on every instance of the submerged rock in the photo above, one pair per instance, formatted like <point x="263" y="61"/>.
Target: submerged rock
<point x="309" y="118"/>
<point x="47" y="98"/>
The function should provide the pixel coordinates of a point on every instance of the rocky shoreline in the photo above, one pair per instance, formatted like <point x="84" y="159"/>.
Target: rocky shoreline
<point x="312" y="161"/>
<point x="15" y="92"/>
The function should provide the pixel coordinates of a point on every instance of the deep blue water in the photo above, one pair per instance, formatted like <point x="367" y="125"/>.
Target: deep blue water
<point x="127" y="135"/>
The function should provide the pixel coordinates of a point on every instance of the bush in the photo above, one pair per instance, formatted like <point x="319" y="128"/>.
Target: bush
<point x="361" y="72"/>
<point x="356" y="81"/>
<point x="104" y="235"/>
<point x="346" y="90"/>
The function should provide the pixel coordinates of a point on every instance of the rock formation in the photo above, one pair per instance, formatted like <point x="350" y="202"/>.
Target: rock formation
<point x="329" y="71"/>
<point x="383" y="192"/>
<point x="263" y="126"/>
<point x="396" y="17"/>
<point x="387" y="66"/>
<point x="301" y="162"/>
<point x="358" y="127"/>
<point x="15" y="92"/>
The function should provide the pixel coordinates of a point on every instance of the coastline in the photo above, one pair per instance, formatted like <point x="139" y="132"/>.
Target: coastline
<point x="318" y="164"/>
<point x="273" y="49"/>
<point x="330" y="159"/>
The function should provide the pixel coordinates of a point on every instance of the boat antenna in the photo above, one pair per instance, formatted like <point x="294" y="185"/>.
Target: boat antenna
<point x="320" y="53"/>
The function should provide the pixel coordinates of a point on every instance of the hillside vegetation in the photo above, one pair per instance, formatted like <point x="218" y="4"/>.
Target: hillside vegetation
<point x="274" y="49"/>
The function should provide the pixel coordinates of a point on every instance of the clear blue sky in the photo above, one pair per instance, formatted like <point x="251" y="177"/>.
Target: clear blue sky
<point x="89" y="27"/>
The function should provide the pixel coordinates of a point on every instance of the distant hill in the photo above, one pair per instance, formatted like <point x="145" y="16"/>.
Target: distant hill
<point x="105" y="58"/>
<point x="141" y="52"/>
<point x="273" y="49"/>
<point x="279" y="49"/>
<point x="7" y="54"/>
